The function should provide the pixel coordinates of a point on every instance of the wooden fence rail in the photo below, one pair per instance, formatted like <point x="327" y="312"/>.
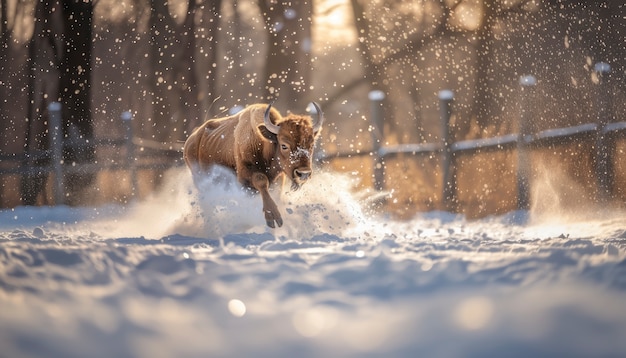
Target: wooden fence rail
<point x="603" y="133"/>
<point x="58" y="167"/>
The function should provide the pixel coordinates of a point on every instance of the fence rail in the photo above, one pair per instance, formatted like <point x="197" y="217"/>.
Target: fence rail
<point x="57" y="145"/>
<point x="603" y="133"/>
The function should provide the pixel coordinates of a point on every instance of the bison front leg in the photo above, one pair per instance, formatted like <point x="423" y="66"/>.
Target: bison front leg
<point x="270" y="209"/>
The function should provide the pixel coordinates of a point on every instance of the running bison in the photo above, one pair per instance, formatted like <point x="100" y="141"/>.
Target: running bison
<point x="259" y="145"/>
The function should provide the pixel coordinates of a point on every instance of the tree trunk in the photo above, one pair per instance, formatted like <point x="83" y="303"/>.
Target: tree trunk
<point x="60" y="70"/>
<point x="189" y="101"/>
<point x="484" y="82"/>
<point x="372" y="70"/>
<point x="214" y="7"/>
<point x="288" y="66"/>
<point x="163" y="54"/>
<point x="44" y="51"/>
<point x="175" y="96"/>
<point x="4" y="25"/>
<point x="75" y="93"/>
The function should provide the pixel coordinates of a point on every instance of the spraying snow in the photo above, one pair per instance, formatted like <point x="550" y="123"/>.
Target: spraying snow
<point x="324" y="205"/>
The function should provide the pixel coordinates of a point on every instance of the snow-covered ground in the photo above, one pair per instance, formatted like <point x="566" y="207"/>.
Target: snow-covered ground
<point x="188" y="275"/>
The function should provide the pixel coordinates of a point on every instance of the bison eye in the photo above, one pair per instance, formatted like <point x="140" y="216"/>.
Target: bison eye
<point x="284" y="146"/>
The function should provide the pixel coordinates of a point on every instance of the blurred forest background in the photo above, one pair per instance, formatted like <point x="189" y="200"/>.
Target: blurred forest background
<point x="175" y="63"/>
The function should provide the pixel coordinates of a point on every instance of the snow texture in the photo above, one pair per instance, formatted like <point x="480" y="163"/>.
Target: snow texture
<point x="195" y="273"/>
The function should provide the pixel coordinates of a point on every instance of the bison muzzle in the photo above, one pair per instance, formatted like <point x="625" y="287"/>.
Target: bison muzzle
<point x="260" y="146"/>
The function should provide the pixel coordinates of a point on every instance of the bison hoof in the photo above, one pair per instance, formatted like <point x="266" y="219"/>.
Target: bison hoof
<point x="273" y="219"/>
<point x="273" y="223"/>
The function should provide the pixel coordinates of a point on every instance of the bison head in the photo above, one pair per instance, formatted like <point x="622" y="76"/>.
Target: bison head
<point x="294" y="138"/>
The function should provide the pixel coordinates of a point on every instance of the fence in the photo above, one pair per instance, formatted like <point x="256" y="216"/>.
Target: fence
<point x="603" y="133"/>
<point x="57" y="143"/>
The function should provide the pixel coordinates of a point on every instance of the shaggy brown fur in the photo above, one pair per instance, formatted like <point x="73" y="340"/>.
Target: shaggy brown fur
<point x="257" y="151"/>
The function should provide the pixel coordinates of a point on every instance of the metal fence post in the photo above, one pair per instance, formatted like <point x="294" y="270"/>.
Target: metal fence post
<point x="449" y="191"/>
<point x="56" y="147"/>
<point x="127" y="119"/>
<point x="528" y="83"/>
<point x="376" y="98"/>
<point x="604" y="148"/>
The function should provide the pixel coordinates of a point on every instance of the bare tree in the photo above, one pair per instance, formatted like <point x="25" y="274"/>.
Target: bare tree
<point x="75" y="92"/>
<point x="60" y="70"/>
<point x="381" y="47"/>
<point x="431" y="25"/>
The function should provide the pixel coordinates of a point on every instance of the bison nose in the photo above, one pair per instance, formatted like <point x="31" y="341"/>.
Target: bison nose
<point x="302" y="174"/>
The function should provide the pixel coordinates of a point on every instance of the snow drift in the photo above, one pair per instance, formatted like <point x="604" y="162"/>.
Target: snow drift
<point x="191" y="273"/>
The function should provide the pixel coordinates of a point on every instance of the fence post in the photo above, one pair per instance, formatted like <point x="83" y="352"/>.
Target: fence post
<point x="127" y="119"/>
<point x="528" y="83"/>
<point x="604" y="149"/>
<point x="376" y="98"/>
<point x="449" y="191"/>
<point x="56" y="147"/>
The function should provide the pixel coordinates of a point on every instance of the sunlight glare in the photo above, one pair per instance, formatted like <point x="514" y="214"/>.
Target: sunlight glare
<point x="236" y="307"/>
<point x="474" y="313"/>
<point x="312" y="322"/>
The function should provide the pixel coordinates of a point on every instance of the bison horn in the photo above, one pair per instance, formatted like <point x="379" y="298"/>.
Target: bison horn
<point x="268" y="122"/>
<point x="317" y="125"/>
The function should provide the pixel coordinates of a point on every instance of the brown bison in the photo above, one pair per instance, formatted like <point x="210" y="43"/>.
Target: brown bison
<point x="260" y="146"/>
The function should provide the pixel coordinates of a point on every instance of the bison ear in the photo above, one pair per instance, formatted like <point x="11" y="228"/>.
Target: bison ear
<point x="272" y="137"/>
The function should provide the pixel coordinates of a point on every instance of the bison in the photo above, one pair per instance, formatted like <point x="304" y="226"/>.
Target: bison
<point x="260" y="146"/>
